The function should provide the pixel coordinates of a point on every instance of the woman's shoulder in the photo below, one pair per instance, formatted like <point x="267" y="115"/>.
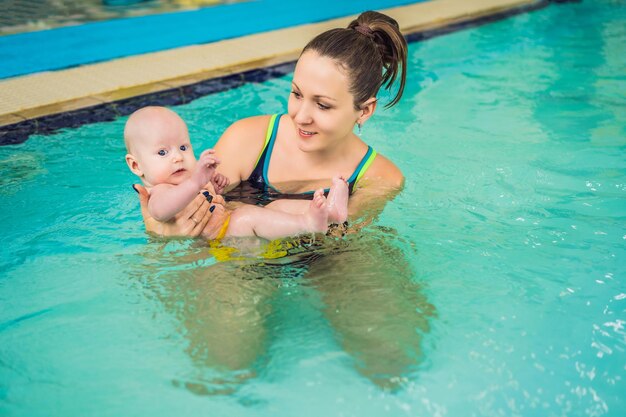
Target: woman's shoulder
<point x="243" y="136"/>
<point x="247" y="129"/>
<point x="240" y="146"/>
<point x="383" y="169"/>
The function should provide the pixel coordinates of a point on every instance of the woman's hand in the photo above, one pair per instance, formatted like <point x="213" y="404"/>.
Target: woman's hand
<point x="195" y="219"/>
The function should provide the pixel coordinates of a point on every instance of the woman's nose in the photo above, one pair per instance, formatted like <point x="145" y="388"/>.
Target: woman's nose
<point x="303" y="114"/>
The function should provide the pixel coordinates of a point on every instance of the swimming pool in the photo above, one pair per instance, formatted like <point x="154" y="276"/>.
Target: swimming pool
<point x="492" y="285"/>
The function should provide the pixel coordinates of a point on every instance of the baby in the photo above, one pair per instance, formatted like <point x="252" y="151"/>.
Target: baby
<point x="160" y="153"/>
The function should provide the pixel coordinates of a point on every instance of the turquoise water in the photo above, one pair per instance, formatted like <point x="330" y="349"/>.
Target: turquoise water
<point x="492" y="285"/>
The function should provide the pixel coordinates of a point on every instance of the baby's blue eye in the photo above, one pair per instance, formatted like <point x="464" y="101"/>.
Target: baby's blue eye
<point x="162" y="152"/>
<point x="183" y="147"/>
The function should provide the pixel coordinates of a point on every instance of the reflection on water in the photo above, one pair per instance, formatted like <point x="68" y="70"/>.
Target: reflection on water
<point x="227" y="311"/>
<point x="374" y="305"/>
<point x="17" y="169"/>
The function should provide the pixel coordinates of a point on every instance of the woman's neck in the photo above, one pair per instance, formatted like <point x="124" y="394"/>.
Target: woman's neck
<point x="329" y="156"/>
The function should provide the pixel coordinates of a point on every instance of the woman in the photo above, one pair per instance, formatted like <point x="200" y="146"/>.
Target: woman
<point x="366" y="284"/>
<point x="335" y="84"/>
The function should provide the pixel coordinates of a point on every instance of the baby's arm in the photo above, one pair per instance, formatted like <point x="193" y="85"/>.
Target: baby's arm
<point x="166" y="199"/>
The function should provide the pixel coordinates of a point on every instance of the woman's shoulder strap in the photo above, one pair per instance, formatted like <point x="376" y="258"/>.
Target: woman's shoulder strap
<point x="272" y="127"/>
<point x="360" y="170"/>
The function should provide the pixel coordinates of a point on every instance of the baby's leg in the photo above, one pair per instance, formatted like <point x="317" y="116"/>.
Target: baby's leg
<point x="289" y="206"/>
<point x="337" y="202"/>
<point x="273" y="224"/>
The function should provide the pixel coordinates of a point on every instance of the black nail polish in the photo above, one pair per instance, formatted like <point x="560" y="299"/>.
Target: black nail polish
<point x="208" y="196"/>
<point x="211" y="209"/>
<point x="137" y="191"/>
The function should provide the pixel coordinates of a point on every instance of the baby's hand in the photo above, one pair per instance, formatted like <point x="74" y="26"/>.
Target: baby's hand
<point x="220" y="182"/>
<point x="205" y="168"/>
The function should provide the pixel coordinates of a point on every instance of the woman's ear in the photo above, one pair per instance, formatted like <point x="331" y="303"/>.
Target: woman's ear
<point x="133" y="165"/>
<point x="367" y="109"/>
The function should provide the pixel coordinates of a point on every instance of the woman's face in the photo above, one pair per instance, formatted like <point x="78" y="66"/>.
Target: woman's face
<point x="320" y="105"/>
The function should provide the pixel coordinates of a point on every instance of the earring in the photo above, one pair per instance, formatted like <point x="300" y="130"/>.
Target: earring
<point x="359" y="126"/>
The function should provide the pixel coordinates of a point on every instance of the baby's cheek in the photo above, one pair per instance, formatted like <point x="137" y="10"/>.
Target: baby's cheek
<point x="161" y="177"/>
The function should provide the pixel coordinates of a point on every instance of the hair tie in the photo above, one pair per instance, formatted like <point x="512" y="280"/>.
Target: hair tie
<point x="364" y="30"/>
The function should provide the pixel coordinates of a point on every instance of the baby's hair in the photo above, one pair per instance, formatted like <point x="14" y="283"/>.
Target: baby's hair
<point x="132" y="128"/>
<point x="372" y="50"/>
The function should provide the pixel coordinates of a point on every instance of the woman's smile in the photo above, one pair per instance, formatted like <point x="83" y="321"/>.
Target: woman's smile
<point x="305" y="133"/>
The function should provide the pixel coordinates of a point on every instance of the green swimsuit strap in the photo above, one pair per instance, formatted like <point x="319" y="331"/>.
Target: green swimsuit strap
<point x="360" y="170"/>
<point x="268" y="136"/>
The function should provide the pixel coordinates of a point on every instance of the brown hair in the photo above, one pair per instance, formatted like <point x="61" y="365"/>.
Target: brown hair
<point x="371" y="49"/>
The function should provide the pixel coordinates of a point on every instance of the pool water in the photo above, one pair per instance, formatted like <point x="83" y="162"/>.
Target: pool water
<point x="493" y="285"/>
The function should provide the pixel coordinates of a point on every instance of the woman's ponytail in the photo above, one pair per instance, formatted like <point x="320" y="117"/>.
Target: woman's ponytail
<point x="373" y="51"/>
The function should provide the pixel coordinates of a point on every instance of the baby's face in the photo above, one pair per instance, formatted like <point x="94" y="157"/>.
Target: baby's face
<point x="165" y="156"/>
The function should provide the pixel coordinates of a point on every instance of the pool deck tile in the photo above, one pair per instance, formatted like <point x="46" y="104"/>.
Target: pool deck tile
<point x="49" y="93"/>
<point x="121" y="94"/>
<point x="60" y="107"/>
<point x="9" y="119"/>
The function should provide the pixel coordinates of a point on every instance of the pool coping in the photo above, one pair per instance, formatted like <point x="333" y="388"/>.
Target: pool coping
<point x="105" y="91"/>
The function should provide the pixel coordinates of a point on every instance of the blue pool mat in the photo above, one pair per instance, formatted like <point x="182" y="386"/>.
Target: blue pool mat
<point x="67" y="47"/>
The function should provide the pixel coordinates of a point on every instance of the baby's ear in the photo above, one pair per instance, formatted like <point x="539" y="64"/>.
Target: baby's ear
<point x="133" y="165"/>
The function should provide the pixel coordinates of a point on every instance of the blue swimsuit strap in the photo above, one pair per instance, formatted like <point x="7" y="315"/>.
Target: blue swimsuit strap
<point x="365" y="163"/>
<point x="356" y="175"/>
<point x="270" y="147"/>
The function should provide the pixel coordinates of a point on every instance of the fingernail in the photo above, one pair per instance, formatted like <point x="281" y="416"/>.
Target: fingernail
<point x="137" y="191"/>
<point x="211" y="209"/>
<point x="208" y="196"/>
